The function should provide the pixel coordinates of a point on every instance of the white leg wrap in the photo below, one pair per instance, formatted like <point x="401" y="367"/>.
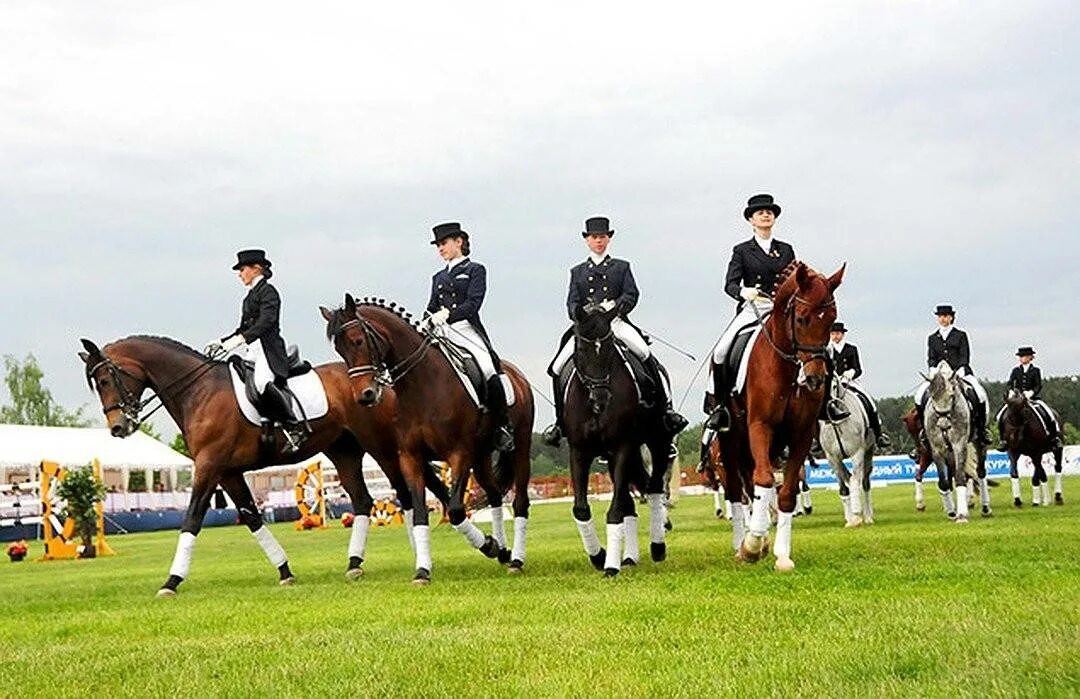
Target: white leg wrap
<point x="182" y="560"/>
<point x="1034" y="494"/>
<point x="614" y="546"/>
<point x="521" y="525"/>
<point x="270" y="546"/>
<point x="358" y="537"/>
<point x="631" y="549"/>
<point x="727" y="509"/>
<point x="868" y="506"/>
<point x="407" y="515"/>
<point x="919" y="493"/>
<point x="984" y="492"/>
<point x="961" y="501"/>
<point x="846" y="501"/>
<point x="657" y="517"/>
<point x="498" y="529"/>
<point x="422" y="538"/>
<point x="1057" y="483"/>
<point x="946" y="500"/>
<point x="807" y="502"/>
<point x="1015" y="487"/>
<point x="589" y="539"/>
<point x="1045" y="487"/>
<point x="718" y="500"/>
<point x="738" y="524"/>
<point x="759" y="514"/>
<point x="782" y="547"/>
<point x="471" y="533"/>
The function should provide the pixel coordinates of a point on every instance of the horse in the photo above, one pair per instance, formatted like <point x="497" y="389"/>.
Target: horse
<point x="1024" y="434"/>
<point x="850" y="438"/>
<point x="197" y="392"/>
<point x="604" y="418"/>
<point x="921" y="454"/>
<point x="947" y="423"/>
<point x="775" y="418"/>
<point x="437" y="419"/>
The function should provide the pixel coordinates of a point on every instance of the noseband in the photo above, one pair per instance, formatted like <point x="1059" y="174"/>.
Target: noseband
<point x="128" y="403"/>
<point x="592" y="383"/>
<point x="384" y="376"/>
<point x="803" y="354"/>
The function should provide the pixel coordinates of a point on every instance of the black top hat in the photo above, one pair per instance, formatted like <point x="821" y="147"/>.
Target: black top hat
<point x="448" y="230"/>
<point x="838" y="328"/>
<point x="759" y="202"/>
<point x="1025" y="351"/>
<point x="251" y="257"/>
<point x="944" y="310"/>
<point x="597" y="225"/>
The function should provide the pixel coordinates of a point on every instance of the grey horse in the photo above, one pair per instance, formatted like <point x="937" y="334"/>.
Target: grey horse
<point x="850" y="438"/>
<point x="947" y="421"/>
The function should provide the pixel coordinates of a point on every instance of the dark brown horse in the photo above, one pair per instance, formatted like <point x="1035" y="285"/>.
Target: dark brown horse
<point x="604" y="418"/>
<point x="775" y="417"/>
<point x="922" y="457"/>
<point x="437" y="419"/>
<point x="1025" y="435"/>
<point x="198" y="393"/>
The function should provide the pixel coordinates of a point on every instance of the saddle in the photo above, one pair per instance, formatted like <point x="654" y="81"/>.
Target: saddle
<point x="468" y="371"/>
<point x="733" y="369"/>
<point x="246" y="369"/>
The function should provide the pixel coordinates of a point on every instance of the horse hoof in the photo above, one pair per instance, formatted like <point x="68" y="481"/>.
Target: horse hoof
<point x="658" y="551"/>
<point x="668" y="526"/>
<point x="627" y="562"/>
<point x="920" y="507"/>
<point x="287" y="582"/>
<point x="1034" y="504"/>
<point x="354" y="573"/>
<point x="516" y="566"/>
<point x="598" y="559"/>
<point x="962" y="519"/>
<point x="1018" y="503"/>
<point x="490" y="548"/>
<point x="610" y="572"/>
<point x="422" y="577"/>
<point x="950" y="515"/>
<point x="986" y="512"/>
<point x="749" y="555"/>
<point x="785" y="565"/>
<point x="809" y="509"/>
<point x="719" y="513"/>
<point x="1058" y="500"/>
<point x="166" y="592"/>
<point x="854" y="522"/>
<point x="504" y="556"/>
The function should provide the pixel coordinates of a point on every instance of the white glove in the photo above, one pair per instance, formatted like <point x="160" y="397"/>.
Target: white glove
<point x="231" y="343"/>
<point x="213" y="349"/>
<point x="1029" y="394"/>
<point x="749" y="293"/>
<point x="607" y="305"/>
<point x="439" y="317"/>
<point x="849" y="374"/>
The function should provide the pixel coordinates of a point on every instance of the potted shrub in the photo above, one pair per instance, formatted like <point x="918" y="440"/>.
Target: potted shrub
<point x="16" y="550"/>
<point x="82" y="491"/>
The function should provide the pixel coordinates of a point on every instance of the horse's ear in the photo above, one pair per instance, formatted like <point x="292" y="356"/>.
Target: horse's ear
<point x="801" y="276"/>
<point x="837" y="277"/>
<point x="85" y="357"/>
<point x="327" y="314"/>
<point x="91" y="349"/>
<point x="350" y="303"/>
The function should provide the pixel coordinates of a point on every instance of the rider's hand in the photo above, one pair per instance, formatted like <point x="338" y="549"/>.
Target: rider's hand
<point x="213" y="349"/>
<point x="749" y="293"/>
<point x="607" y="305"/>
<point x="439" y="317"/>
<point x="1029" y="394"/>
<point x="849" y="375"/>
<point x="231" y="343"/>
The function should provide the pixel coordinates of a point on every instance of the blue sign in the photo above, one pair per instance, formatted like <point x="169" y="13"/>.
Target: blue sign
<point x="901" y="469"/>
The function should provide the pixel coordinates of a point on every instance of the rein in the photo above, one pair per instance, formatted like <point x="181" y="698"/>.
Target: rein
<point x="814" y="351"/>
<point x="593" y="383"/>
<point x="128" y="403"/>
<point x="384" y="376"/>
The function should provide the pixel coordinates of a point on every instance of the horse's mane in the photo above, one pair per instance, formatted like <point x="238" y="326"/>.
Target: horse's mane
<point x="339" y="319"/>
<point x="165" y="341"/>
<point x="783" y="276"/>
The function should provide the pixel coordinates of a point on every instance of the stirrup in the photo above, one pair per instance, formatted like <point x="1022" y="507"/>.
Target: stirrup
<point x="552" y="435"/>
<point x="836" y="410"/>
<point x="674" y="422"/>
<point x="719" y="419"/>
<point x="295" y="436"/>
<point x="504" y="440"/>
<point x="883" y="441"/>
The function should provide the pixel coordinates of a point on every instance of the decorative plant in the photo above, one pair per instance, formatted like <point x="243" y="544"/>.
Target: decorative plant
<point x="82" y="491"/>
<point x="16" y="550"/>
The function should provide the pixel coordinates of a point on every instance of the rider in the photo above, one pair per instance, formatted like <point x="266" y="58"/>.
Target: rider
<point x="1027" y="379"/>
<point x="751" y="278"/>
<point x="260" y="331"/>
<point x="457" y="292"/>
<point x="950" y="344"/>
<point x="847" y="368"/>
<point x="608" y="282"/>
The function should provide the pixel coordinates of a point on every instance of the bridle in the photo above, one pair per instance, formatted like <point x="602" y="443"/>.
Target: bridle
<point x="127" y="402"/>
<point x="592" y="384"/>
<point x="384" y="376"/>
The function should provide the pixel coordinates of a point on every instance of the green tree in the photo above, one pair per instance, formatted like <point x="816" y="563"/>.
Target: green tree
<point x="180" y="445"/>
<point x="82" y="491"/>
<point x="31" y="402"/>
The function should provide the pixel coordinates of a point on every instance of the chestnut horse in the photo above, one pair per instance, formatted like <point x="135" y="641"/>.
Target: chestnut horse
<point x="913" y="425"/>
<point x="198" y="393"/>
<point x="775" y="417"/>
<point x="437" y="419"/>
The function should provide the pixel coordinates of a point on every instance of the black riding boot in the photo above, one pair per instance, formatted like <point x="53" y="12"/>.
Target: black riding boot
<point x="500" y="413"/>
<point x="553" y="434"/>
<point x="674" y="423"/>
<point x="982" y="434"/>
<point x="881" y="439"/>
<point x="720" y="417"/>
<point x="275" y="404"/>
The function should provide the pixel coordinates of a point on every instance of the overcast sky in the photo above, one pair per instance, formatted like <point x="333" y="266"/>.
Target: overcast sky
<point x="932" y="146"/>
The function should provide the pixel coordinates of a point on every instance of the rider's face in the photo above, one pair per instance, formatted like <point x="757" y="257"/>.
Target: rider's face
<point x="762" y="219"/>
<point x="248" y="273"/>
<point x="598" y="242"/>
<point x="449" y="248"/>
<point x="1026" y="359"/>
<point x="836" y="336"/>
<point x="944" y="321"/>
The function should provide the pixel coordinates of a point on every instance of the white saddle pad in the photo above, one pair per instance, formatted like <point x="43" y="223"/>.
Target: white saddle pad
<point x="308" y="389"/>
<point x="744" y="361"/>
<point x="508" y="387"/>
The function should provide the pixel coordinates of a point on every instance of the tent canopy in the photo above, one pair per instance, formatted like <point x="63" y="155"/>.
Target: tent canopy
<point x="29" y="445"/>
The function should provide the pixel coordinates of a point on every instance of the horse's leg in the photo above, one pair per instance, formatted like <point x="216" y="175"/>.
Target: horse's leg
<point x="522" y="469"/>
<point x="755" y="543"/>
<point x="237" y="488"/>
<point x="404" y="496"/>
<point x="621" y="501"/>
<point x="661" y="454"/>
<point x="485" y="476"/>
<point x="412" y="468"/>
<point x="1044" y="480"/>
<point x="959" y="473"/>
<point x="945" y="486"/>
<point x="855" y="518"/>
<point x="1014" y="479"/>
<point x="868" y="501"/>
<point x="202" y="488"/>
<point x="984" y="486"/>
<point x="1034" y="482"/>
<point x="1059" y="497"/>
<point x="787" y="501"/>
<point x="459" y="468"/>
<point x="843" y="478"/>
<point x="734" y="493"/>
<point x="804" y="487"/>
<point x="580" y="461"/>
<point x="350" y="468"/>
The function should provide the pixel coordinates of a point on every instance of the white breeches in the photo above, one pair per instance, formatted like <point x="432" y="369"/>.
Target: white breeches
<point x="623" y="331"/>
<point x="263" y="374"/>
<point x="970" y="379"/>
<point x="463" y="333"/>
<point x="741" y="319"/>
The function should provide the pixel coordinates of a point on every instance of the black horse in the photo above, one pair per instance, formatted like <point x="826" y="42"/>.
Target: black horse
<point x="1025" y="435"/>
<point x="605" y="418"/>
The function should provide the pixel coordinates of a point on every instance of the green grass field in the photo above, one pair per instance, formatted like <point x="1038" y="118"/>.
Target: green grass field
<point x="911" y="606"/>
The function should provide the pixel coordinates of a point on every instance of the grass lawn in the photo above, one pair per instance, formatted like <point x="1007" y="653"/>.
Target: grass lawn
<point x="911" y="606"/>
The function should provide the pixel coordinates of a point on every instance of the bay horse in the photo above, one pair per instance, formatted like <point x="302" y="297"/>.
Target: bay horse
<point x="921" y="454"/>
<point x="197" y="392"/>
<point x="604" y="418"/>
<point x="437" y="419"/>
<point x="1024" y="434"/>
<point x="775" y="417"/>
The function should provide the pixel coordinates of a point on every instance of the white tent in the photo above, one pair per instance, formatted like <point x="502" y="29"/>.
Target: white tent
<point x="24" y="447"/>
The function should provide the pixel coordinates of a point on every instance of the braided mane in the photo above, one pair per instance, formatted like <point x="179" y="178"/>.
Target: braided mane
<point x="160" y="340"/>
<point x="334" y="327"/>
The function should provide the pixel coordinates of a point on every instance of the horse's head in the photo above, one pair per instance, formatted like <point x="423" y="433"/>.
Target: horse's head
<point x="943" y="390"/>
<point x="804" y="304"/>
<point x="119" y="383"/>
<point x="594" y="353"/>
<point x="362" y="343"/>
<point x="1015" y="398"/>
